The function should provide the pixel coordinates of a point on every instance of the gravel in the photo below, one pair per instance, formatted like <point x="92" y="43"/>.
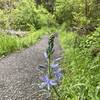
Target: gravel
<point x="19" y="74"/>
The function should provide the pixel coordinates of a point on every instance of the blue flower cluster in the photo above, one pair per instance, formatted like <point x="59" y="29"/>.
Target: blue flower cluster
<point x="54" y="75"/>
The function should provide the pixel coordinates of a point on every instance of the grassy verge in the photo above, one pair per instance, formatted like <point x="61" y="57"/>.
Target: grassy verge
<point x="10" y="44"/>
<point x="82" y="71"/>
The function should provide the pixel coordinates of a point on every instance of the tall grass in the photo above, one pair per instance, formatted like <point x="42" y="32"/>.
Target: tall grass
<point x="81" y="79"/>
<point x="10" y="44"/>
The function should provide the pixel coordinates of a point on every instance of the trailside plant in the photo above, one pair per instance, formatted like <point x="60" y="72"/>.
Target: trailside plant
<point x="51" y="80"/>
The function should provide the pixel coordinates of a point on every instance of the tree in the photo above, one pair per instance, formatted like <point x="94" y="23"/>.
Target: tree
<point x="48" y="4"/>
<point x="38" y="2"/>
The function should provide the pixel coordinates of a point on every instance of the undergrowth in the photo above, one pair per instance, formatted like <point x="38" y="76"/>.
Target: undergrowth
<point x="81" y="79"/>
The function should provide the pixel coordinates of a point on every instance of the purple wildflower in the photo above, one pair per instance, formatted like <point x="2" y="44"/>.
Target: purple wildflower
<point x="47" y="82"/>
<point x="58" y="74"/>
<point x="58" y="59"/>
<point x="54" y="65"/>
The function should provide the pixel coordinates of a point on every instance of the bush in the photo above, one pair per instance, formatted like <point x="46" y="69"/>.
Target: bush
<point x="26" y="15"/>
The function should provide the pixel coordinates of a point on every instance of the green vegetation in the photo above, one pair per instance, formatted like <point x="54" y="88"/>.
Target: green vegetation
<point x="23" y="16"/>
<point x="80" y="41"/>
<point x="81" y="65"/>
<point x="77" y="21"/>
<point x="10" y="44"/>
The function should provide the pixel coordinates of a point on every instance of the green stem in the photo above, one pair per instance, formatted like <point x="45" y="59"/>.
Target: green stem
<point x="49" y="68"/>
<point x="55" y="90"/>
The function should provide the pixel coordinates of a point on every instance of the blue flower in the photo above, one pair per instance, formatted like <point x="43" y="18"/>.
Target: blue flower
<point x="47" y="82"/>
<point x="54" y="66"/>
<point x="58" y="59"/>
<point x="58" y="74"/>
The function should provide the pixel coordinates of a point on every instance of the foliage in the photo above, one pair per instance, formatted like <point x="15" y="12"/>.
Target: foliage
<point x="90" y="41"/>
<point x="50" y="5"/>
<point x="64" y="12"/>
<point x="81" y="53"/>
<point x="24" y="16"/>
<point x="10" y="44"/>
<point x="82" y="72"/>
<point x="3" y="19"/>
<point x="47" y="4"/>
<point x="77" y="13"/>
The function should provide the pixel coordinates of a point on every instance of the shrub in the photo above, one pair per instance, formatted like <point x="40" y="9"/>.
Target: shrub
<point x="24" y="16"/>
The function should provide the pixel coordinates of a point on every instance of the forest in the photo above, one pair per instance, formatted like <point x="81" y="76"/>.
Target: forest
<point x="23" y="23"/>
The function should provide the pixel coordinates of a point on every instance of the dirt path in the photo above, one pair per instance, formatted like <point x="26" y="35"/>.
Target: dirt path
<point x="19" y="75"/>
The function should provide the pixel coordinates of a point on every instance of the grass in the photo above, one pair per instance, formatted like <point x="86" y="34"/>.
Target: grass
<point x="81" y="79"/>
<point x="10" y="44"/>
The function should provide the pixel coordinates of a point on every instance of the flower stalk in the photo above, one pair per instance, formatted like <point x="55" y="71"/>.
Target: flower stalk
<point x="53" y="76"/>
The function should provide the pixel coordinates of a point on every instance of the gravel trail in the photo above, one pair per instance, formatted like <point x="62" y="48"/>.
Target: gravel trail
<point x="19" y="74"/>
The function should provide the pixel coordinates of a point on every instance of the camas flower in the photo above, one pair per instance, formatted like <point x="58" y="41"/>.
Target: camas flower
<point x="47" y="82"/>
<point x="58" y="59"/>
<point x="53" y="65"/>
<point x="58" y="74"/>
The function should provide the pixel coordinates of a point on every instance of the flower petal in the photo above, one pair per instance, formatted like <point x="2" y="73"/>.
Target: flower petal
<point x="48" y="82"/>
<point x="58" y="59"/>
<point x="48" y="86"/>
<point x="45" y="55"/>
<point x="42" y="85"/>
<point x="54" y="65"/>
<point x="58" y="75"/>
<point x="53" y="82"/>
